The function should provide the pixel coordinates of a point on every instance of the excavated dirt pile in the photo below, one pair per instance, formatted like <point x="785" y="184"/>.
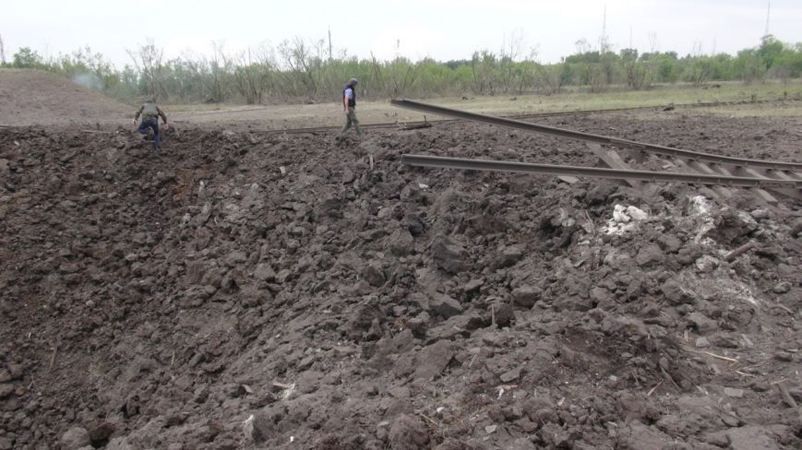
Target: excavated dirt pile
<point x="244" y="290"/>
<point x="37" y="97"/>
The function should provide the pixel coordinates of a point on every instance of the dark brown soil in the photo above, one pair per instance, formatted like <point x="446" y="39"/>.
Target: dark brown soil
<point x="251" y="291"/>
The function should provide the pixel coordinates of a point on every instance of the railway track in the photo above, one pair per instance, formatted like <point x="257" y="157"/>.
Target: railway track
<point x="769" y="178"/>
<point x="421" y="124"/>
<point x="595" y="172"/>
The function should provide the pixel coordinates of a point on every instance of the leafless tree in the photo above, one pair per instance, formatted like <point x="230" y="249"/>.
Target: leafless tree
<point x="511" y="49"/>
<point x="148" y="61"/>
<point x="297" y="56"/>
<point x="377" y="72"/>
<point x="217" y="67"/>
<point x="2" y="51"/>
<point x="252" y="74"/>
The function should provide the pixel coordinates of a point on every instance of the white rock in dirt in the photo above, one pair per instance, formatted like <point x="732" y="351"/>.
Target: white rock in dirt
<point x="700" y="205"/>
<point x="760" y="214"/>
<point x="620" y="215"/>
<point x="247" y="427"/>
<point x="637" y="213"/>
<point x="706" y="264"/>
<point x="624" y="219"/>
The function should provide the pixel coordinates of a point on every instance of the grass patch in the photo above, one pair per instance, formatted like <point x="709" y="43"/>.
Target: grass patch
<point x="330" y="114"/>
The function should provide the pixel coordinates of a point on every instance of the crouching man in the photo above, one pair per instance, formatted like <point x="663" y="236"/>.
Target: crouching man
<point x="150" y="120"/>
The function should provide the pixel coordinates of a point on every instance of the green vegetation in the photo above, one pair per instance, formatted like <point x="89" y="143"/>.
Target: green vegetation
<point x="298" y="71"/>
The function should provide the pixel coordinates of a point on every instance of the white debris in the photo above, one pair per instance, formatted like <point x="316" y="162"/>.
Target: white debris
<point x="247" y="426"/>
<point x="637" y="213"/>
<point x="286" y="393"/>
<point x="620" y="215"/>
<point x="700" y="205"/>
<point x="706" y="264"/>
<point x="625" y="218"/>
<point x="700" y="208"/>
<point x="719" y="284"/>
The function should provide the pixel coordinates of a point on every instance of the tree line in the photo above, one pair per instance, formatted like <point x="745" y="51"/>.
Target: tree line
<point x="299" y="70"/>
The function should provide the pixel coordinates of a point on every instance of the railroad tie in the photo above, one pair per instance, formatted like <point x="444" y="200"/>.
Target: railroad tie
<point x="762" y="193"/>
<point x="783" y="175"/>
<point x="719" y="191"/>
<point x="613" y="160"/>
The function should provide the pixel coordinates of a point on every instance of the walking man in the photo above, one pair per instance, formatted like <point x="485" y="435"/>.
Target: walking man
<point x="349" y="106"/>
<point x="150" y="119"/>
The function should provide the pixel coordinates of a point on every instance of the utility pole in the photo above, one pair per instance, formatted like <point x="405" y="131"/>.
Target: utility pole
<point x="603" y="38"/>
<point x="653" y="42"/>
<point x="768" y="18"/>
<point x="331" y="56"/>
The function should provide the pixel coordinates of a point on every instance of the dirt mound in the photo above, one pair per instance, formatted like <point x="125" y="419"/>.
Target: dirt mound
<point x="251" y="291"/>
<point x="29" y="97"/>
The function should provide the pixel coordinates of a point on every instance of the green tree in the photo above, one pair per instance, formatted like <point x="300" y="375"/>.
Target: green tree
<point x="26" y="58"/>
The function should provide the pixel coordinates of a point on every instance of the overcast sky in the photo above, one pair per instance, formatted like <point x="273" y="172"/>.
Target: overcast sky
<point x="442" y="29"/>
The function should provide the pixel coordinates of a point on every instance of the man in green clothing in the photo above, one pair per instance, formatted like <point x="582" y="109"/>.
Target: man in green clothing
<point x="349" y="106"/>
<point x="150" y="119"/>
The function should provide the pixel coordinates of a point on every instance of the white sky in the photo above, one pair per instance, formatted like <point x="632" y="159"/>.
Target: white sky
<point x="442" y="29"/>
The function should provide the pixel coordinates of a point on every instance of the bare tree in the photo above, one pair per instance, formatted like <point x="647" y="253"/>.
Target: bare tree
<point x="148" y="61"/>
<point x="297" y="56"/>
<point x="401" y="84"/>
<point x="376" y="70"/>
<point x="2" y="51"/>
<point x="549" y="78"/>
<point x="511" y="48"/>
<point x="252" y="75"/>
<point x="217" y="67"/>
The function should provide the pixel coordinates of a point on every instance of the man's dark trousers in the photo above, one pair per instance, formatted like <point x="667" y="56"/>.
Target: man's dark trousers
<point x="152" y="123"/>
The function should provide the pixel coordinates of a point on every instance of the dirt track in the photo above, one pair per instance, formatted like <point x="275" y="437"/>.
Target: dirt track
<point x="203" y="299"/>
